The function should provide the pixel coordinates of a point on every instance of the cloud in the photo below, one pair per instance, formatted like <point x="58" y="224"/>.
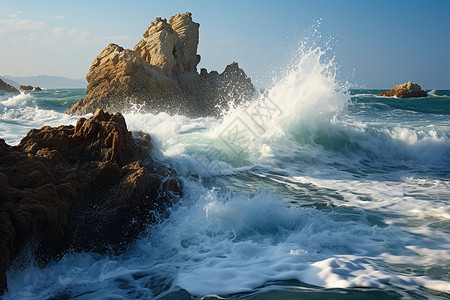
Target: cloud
<point x="16" y="14"/>
<point x="20" y="25"/>
<point x="58" y="31"/>
<point x="20" y="29"/>
<point x="32" y="37"/>
<point x="61" y="34"/>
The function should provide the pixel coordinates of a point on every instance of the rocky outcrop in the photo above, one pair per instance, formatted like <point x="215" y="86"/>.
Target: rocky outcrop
<point x="89" y="187"/>
<point x="7" y="87"/>
<point x="160" y="74"/>
<point x="406" y="90"/>
<point x="30" y="88"/>
<point x="119" y="78"/>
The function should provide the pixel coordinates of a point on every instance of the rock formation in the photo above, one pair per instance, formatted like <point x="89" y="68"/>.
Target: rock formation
<point x="89" y="187"/>
<point x="7" y="87"/>
<point x="406" y="90"/>
<point x="30" y="88"/>
<point x="160" y="74"/>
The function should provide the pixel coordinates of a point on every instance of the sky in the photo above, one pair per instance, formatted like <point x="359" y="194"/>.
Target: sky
<point x="376" y="44"/>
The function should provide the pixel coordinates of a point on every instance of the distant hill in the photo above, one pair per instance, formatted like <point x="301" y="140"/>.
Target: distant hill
<point x="45" y="81"/>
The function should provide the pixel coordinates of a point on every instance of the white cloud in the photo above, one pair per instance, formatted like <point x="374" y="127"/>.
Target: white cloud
<point x="73" y="32"/>
<point x="84" y="35"/>
<point x="58" y="31"/>
<point x="20" y="25"/>
<point x="61" y="34"/>
<point x="16" y="14"/>
<point x="32" y="37"/>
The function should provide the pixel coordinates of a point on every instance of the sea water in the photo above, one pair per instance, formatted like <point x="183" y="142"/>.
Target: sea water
<point x="312" y="190"/>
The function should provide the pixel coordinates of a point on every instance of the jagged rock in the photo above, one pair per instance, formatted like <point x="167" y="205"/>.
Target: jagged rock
<point x="160" y="74"/>
<point x="119" y="78"/>
<point x="30" y="88"/>
<point x="89" y="187"/>
<point x="405" y="90"/>
<point x="158" y="45"/>
<point x="7" y="87"/>
<point x="186" y="57"/>
<point x="172" y="46"/>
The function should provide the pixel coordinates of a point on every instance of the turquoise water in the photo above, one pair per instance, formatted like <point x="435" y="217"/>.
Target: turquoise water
<point x="313" y="191"/>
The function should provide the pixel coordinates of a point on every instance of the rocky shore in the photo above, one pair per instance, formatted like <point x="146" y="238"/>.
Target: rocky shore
<point x="7" y="87"/>
<point x="89" y="187"/>
<point x="405" y="90"/>
<point x="160" y="75"/>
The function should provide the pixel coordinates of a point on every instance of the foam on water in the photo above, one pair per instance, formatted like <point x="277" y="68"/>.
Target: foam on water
<point x="21" y="113"/>
<point x="16" y="100"/>
<point x="223" y="244"/>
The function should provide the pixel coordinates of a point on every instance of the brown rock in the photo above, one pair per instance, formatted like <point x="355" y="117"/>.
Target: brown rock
<point x="157" y="46"/>
<point x="7" y="87"/>
<point x="405" y="90"/>
<point x="172" y="47"/>
<point x="160" y="74"/>
<point x="185" y="54"/>
<point x="30" y="88"/>
<point x="89" y="187"/>
<point x="119" y="78"/>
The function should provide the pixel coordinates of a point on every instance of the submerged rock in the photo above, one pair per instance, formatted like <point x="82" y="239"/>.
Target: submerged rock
<point x="160" y="74"/>
<point x="89" y="187"/>
<point x="405" y="90"/>
<point x="30" y="88"/>
<point x="7" y="87"/>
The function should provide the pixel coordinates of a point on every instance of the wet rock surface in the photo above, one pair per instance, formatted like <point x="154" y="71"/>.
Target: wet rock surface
<point x="89" y="187"/>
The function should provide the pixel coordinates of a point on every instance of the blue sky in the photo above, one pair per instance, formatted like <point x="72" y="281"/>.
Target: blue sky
<point x="377" y="44"/>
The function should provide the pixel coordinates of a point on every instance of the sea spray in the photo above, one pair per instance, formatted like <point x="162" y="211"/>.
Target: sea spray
<point x="305" y="97"/>
<point x="25" y="111"/>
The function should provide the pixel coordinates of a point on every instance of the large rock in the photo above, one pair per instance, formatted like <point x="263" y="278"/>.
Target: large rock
<point x="119" y="78"/>
<point x="92" y="187"/>
<point x="406" y="90"/>
<point x="171" y="47"/>
<point x="160" y="74"/>
<point x="7" y="87"/>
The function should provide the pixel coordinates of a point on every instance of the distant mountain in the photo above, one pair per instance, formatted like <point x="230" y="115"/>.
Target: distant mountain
<point x="45" y="81"/>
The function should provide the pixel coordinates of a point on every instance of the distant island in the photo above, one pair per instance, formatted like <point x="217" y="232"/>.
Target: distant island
<point x="45" y="81"/>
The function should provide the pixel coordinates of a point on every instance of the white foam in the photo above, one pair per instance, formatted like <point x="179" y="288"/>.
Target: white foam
<point x="226" y="243"/>
<point x="16" y="100"/>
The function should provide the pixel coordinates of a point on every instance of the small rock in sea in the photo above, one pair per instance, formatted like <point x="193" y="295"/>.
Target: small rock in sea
<point x="406" y="90"/>
<point x="30" y="88"/>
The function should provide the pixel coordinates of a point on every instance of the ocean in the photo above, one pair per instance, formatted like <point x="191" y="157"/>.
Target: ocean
<point x="312" y="191"/>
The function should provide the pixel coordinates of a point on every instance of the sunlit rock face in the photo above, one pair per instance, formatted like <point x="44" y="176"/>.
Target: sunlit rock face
<point x="160" y="75"/>
<point x="405" y="90"/>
